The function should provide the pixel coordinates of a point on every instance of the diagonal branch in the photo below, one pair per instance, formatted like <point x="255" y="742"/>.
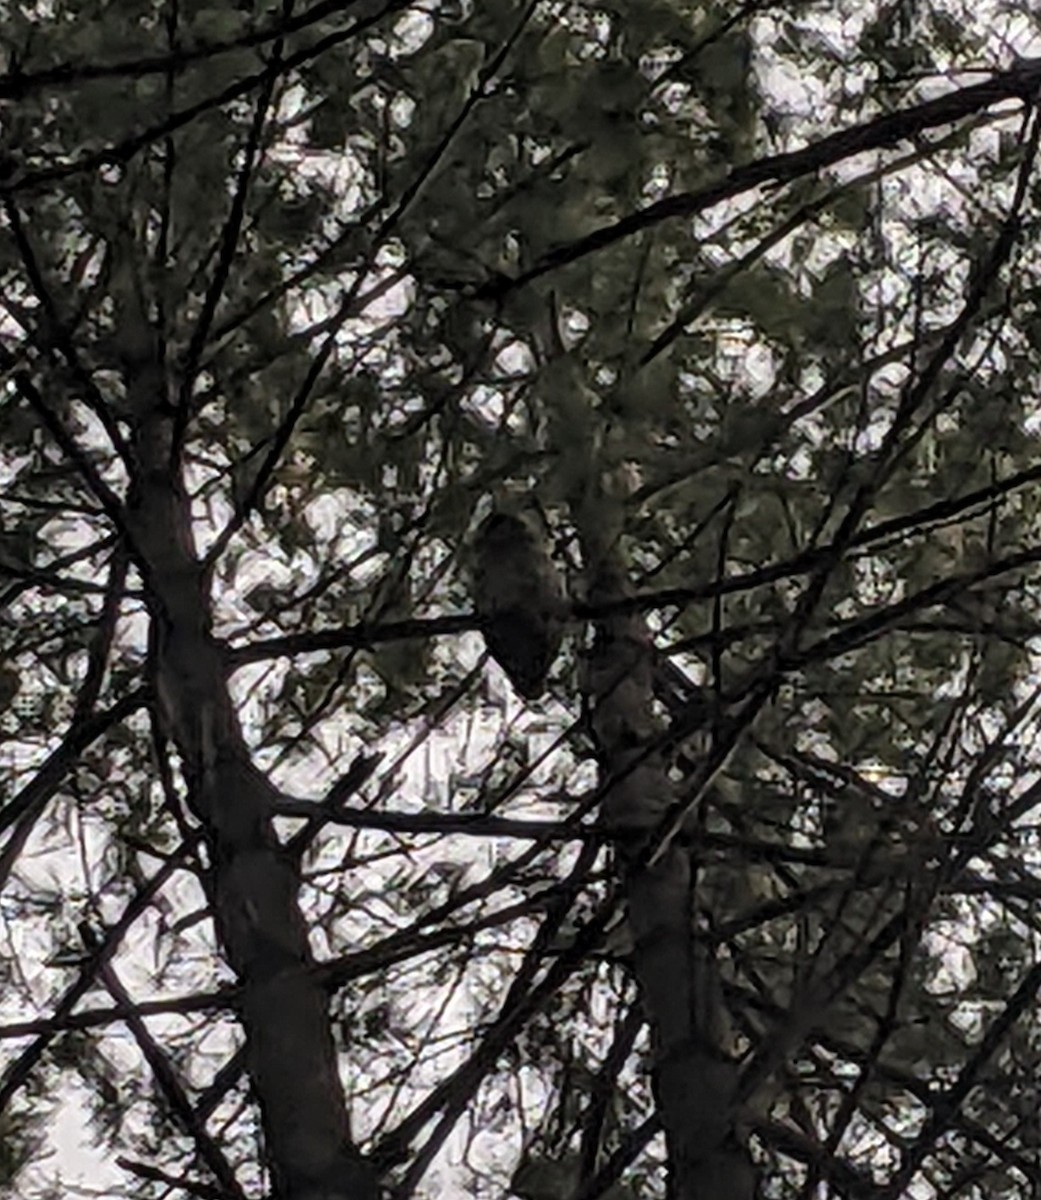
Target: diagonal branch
<point x="1020" y="82"/>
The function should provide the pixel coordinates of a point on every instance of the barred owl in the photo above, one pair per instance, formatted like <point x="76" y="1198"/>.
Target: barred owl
<point x="519" y="596"/>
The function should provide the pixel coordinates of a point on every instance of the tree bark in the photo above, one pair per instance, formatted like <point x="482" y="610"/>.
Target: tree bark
<point x="695" y="1084"/>
<point x="253" y="883"/>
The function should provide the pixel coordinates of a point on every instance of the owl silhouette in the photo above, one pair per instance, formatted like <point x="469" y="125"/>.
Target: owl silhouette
<point x="519" y="596"/>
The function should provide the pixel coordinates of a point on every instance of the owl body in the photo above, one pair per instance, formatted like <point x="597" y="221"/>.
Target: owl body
<point x="519" y="596"/>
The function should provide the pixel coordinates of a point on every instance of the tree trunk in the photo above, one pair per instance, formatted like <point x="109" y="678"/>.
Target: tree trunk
<point x="695" y="1084"/>
<point x="252" y="882"/>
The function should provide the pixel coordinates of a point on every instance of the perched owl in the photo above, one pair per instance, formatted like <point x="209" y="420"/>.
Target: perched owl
<point x="519" y="596"/>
